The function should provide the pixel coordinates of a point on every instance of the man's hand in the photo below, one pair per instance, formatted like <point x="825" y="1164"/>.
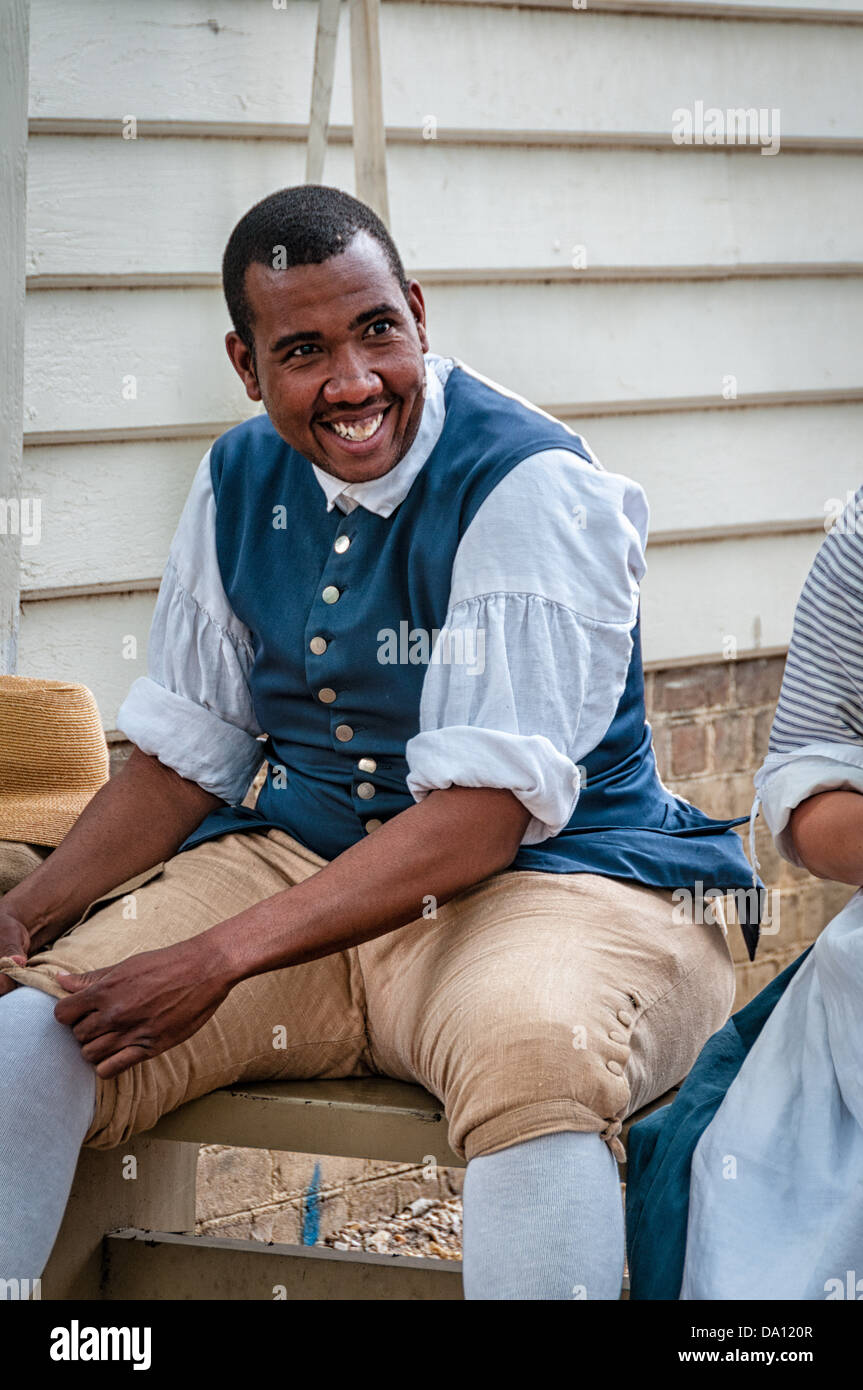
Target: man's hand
<point x="14" y="942"/>
<point x="128" y="1012"/>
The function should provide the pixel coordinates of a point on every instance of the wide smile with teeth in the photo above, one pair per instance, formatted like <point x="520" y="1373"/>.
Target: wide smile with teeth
<point x="360" y="431"/>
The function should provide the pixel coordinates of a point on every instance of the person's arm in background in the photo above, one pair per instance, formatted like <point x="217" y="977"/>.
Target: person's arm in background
<point x="827" y="833"/>
<point x="811" y="782"/>
<point x="195" y="736"/>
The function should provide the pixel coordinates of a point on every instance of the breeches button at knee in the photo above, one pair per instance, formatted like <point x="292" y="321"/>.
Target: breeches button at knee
<point x="615" y="1067"/>
<point x="624" y="1017"/>
<point x="616" y="1036"/>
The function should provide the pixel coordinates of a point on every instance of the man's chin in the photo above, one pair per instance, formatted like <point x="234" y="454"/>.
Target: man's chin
<point x="356" y="470"/>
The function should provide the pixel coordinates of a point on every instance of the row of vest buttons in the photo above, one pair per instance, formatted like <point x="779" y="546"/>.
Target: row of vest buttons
<point x="331" y="594"/>
<point x="344" y="732"/>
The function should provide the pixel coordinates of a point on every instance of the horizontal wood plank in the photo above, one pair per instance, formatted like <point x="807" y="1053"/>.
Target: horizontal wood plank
<point x="805" y="11"/>
<point x="698" y="596"/>
<point x="589" y="343"/>
<point x="86" y="640"/>
<point x="108" y="511"/>
<point x="112" y="207"/>
<point x="96" y="59"/>
<point x="357" y="1118"/>
<point x="162" y="1265"/>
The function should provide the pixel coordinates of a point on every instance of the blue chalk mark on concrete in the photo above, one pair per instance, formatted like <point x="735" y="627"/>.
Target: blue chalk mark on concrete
<point x="312" y="1209"/>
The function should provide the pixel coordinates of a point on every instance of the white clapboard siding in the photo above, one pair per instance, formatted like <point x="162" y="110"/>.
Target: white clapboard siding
<point x="820" y="11"/>
<point x="552" y="343"/>
<point x="475" y="67"/>
<point x="609" y="342"/>
<point x="695" y="596"/>
<point x="109" y="510"/>
<point x="84" y="639"/>
<point x="102" y="207"/>
<point x="165" y="345"/>
<point x="709" y="470"/>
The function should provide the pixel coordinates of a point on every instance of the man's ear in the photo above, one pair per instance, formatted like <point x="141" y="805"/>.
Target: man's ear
<point x="241" y="361"/>
<point x="417" y="306"/>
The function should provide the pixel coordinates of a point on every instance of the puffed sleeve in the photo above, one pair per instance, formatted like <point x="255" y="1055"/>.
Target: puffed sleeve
<point x="193" y="710"/>
<point x="816" y="742"/>
<point x="527" y="672"/>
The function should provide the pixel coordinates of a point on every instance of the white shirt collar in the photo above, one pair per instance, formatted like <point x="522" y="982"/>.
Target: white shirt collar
<point x="383" y="495"/>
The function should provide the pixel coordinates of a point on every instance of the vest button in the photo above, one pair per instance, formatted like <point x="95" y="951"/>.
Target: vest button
<point x="373" y="825"/>
<point x="615" y="1067"/>
<point x="326" y="695"/>
<point x="365" y="790"/>
<point x="344" y="733"/>
<point x="625" y="1017"/>
<point x="330" y="594"/>
<point x="341" y="544"/>
<point x="318" y="645"/>
<point x="367" y="765"/>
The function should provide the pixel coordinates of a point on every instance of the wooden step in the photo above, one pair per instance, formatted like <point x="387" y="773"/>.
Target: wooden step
<point x="358" y="1118"/>
<point x="363" y="1117"/>
<point x="143" y="1256"/>
<point x="162" y="1265"/>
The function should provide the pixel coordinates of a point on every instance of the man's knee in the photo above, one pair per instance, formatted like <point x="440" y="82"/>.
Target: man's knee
<point x="527" y="1071"/>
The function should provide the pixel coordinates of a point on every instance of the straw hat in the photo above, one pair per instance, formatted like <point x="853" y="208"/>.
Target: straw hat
<point x="53" y="757"/>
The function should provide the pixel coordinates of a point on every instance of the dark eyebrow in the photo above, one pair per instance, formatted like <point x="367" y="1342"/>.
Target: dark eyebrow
<point x="369" y="314"/>
<point x="289" y="338"/>
<point x="313" y="336"/>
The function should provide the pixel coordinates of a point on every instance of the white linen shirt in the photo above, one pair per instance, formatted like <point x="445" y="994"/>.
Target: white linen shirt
<point x="790" y="1225"/>
<point x="544" y="583"/>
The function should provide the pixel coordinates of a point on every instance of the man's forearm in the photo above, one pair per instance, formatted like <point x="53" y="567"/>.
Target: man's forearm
<point x="136" y="820"/>
<point x="449" y="841"/>
<point x="827" y="832"/>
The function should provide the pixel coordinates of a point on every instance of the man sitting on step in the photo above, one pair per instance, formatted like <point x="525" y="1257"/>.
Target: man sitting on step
<point x="416" y="595"/>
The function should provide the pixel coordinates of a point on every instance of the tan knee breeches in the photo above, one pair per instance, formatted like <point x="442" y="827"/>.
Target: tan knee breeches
<point x="529" y="1003"/>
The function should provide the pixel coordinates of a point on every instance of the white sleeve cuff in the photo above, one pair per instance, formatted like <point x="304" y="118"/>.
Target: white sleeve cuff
<point x="543" y="779"/>
<point x="784" y="780"/>
<point x="192" y="740"/>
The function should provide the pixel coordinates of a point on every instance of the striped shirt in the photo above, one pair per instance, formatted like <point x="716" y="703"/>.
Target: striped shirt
<point x="821" y="699"/>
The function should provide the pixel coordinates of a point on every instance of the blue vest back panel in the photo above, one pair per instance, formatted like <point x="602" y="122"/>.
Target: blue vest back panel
<point x="285" y="580"/>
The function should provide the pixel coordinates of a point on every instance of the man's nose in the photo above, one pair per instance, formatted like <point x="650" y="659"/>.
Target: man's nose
<point x="352" y="380"/>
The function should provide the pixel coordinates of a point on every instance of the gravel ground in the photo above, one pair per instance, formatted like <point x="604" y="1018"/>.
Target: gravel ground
<point x="428" y="1226"/>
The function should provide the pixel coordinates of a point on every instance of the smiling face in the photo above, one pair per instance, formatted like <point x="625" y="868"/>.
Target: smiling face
<point x="338" y="359"/>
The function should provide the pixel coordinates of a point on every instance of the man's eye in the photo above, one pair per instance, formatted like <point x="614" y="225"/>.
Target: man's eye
<point x="300" y="350"/>
<point x="385" y="324"/>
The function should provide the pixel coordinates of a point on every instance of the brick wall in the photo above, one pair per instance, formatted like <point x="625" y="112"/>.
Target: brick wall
<point x="711" y="724"/>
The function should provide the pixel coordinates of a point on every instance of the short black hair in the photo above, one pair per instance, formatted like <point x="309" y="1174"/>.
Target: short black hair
<point x="302" y="225"/>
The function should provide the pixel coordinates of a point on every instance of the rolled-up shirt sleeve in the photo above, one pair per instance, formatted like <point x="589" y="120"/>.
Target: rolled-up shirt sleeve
<point x="784" y="780"/>
<point x="193" y="710"/>
<point x="527" y="672"/>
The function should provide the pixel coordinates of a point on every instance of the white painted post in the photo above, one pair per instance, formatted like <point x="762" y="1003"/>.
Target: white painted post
<point x="322" y="88"/>
<point x="370" y="155"/>
<point x="14" y="75"/>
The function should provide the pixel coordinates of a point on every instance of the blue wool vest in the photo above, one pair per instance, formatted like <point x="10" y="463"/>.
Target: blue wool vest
<point x="285" y="579"/>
